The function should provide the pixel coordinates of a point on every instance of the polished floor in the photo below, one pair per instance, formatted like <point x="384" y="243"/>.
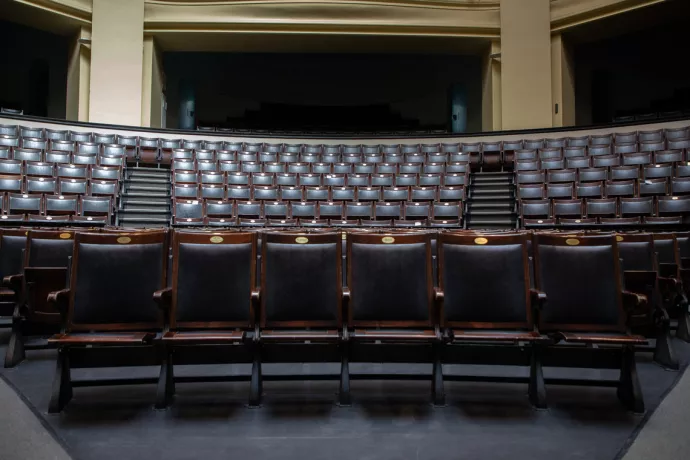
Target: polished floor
<point x="299" y="420"/>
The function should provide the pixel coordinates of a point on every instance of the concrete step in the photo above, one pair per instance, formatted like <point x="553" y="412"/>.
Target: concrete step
<point x="146" y="185"/>
<point x="491" y="213"/>
<point x="147" y="180"/>
<point x="489" y="176"/>
<point x="152" y="190"/>
<point x="144" y="210"/>
<point x="488" y="221"/>
<point x="142" y="225"/>
<point x="161" y="221"/>
<point x="503" y="197"/>
<point x="149" y="170"/>
<point x="490" y="185"/>
<point x="506" y="204"/>
<point x="145" y="201"/>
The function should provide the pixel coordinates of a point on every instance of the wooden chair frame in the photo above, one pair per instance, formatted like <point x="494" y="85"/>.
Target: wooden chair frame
<point x="629" y="390"/>
<point x="33" y="315"/>
<point x="204" y="333"/>
<point x="647" y="283"/>
<point x="112" y="334"/>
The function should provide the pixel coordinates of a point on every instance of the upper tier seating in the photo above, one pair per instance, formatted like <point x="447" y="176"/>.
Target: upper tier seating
<point x="646" y="173"/>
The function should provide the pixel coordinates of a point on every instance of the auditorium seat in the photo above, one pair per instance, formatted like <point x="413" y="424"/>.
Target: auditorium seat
<point x="389" y="298"/>
<point x="44" y="269"/>
<point x="109" y="302"/>
<point x="641" y="275"/>
<point x="473" y="312"/>
<point x="581" y="277"/>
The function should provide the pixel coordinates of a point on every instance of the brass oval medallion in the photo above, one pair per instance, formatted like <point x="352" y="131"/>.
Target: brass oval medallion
<point x="344" y="235"/>
<point x="124" y="240"/>
<point x="619" y="238"/>
<point x="572" y="241"/>
<point x="388" y="240"/>
<point x="216" y="239"/>
<point x="480" y="241"/>
<point x="301" y="240"/>
<point x="65" y="236"/>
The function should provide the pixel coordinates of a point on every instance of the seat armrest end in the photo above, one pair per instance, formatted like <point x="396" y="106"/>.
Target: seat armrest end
<point x="633" y="300"/>
<point x="60" y="300"/>
<point x="13" y="282"/>
<point x="163" y="298"/>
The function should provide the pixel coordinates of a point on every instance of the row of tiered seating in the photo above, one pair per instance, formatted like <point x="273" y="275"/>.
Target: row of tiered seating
<point x="622" y="166"/>
<point x="624" y="183"/>
<point x="301" y="307"/>
<point x="229" y="213"/>
<point x="297" y="292"/>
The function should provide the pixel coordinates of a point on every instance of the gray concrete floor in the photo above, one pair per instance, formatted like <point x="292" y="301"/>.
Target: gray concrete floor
<point x="22" y="435"/>
<point x="666" y="435"/>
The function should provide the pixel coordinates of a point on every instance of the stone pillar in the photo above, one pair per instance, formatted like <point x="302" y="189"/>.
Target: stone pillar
<point x="116" y="62"/>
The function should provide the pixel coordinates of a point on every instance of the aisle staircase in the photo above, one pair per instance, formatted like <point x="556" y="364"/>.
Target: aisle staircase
<point x="491" y="201"/>
<point x="145" y="198"/>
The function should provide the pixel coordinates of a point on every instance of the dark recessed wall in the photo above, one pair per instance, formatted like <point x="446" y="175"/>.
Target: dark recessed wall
<point x="34" y="71"/>
<point x="232" y="89"/>
<point x="633" y="74"/>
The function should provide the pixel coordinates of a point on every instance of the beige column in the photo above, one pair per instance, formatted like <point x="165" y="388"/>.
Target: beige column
<point x="153" y="85"/>
<point x="525" y="64"/>
<point x="78" y="76"/>
<point x="491" y="88"/>
<point x="116" y="61"/>
<point x="562" y="83"/>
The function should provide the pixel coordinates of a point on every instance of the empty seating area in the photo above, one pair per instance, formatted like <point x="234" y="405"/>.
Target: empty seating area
<point x="617" y="180"/>
<point x="621" y="180"/>
<point x="315" y="185"/>
<point x="183" y="297"/>
<point x="50" y="177"/>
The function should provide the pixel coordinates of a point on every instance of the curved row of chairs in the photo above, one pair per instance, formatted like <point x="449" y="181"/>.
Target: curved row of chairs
<point x="190" y="297"/>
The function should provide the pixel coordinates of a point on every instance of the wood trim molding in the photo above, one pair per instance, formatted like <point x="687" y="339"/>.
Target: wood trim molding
<point x="78" y="10"/>
<point x="441" y="4"/>
<point x="570" y="13"/>
<point x="321" y="17"/>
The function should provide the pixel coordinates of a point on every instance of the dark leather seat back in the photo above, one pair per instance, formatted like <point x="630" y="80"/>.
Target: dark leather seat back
<point x="581" y="278"/>
<point x="636" y="251"/>
<point x="113" y="280"/>
<point x="301" y="279"/>
<point x="12" y="243"/>
<point x="213" y="277"/>
<point x="390" y="279"/>
<point x="49" y="248"/>
<point x="665" y="247"/>
<point x="485" y="280"/>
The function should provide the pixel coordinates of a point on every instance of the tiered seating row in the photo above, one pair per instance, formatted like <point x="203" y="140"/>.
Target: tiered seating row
<point x="621" y="184"/>
<point x="59" y="193"/>
<point x="324" y="296"/>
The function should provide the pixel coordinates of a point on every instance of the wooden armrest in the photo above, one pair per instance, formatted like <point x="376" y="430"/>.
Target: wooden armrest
<point x="538" y="297"/>
<point x="668" y="283"/>
<point x="13" y="282"/>
<point x="632" y="300"/>
<point x="439" y="295"/>
<point x="163" y="298"/>
<point x="60" y="301"/>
